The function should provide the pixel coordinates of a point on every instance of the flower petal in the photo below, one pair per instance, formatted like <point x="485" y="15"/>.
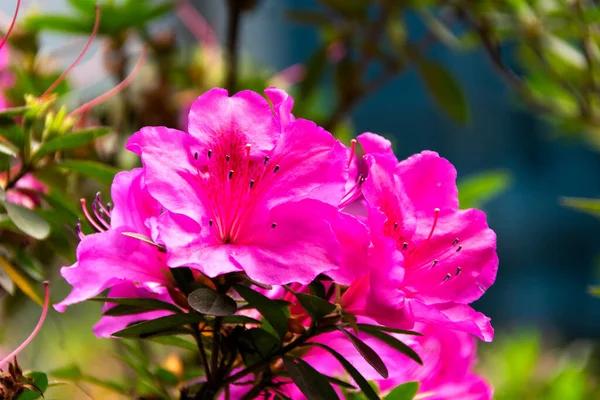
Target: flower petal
<point x="354" y="240"/>
<point x="282" y="105"/>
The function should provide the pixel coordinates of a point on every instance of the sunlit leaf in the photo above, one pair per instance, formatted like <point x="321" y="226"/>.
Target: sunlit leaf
<point x="40" y="382"/>
<point x="476" y="190"/>
<point x="70" y="141"/>
<point x="20" y="280"/>
<point x="589" y="206"/>
<point x="406" y="391"/>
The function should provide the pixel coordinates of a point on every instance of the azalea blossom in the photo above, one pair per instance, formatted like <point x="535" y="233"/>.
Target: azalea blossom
<point x="25" y="191"/>
<point x="109" y="258"/>
<point x="247" y="188"/>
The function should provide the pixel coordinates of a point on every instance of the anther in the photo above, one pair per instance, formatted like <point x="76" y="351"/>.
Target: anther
<point x="195" y="155"/>
<point x="459" y="248"/>
<point x="227" y="158"/>
<point x="276" y="168"/>
<point x="273" y="225"/>
<point x="352" y="150"/>
<point x="433" y="263"/>
<point x="210" y="222"/>
<point x="447" y="277"/>
<point x="209" y="153"/>
<point x="395" y="225"/>
<point x="251" y="183"/>
<point x="230" y="174"/>
<point x="78" y="231"/>
<point x="458" y="269"/>
<point x="266" y="160"/>
<point x="455" y="242"/>
<point x="404" y="246"/>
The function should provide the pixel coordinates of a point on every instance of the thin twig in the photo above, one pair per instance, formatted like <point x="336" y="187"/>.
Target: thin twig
<point x="233" y="28"/>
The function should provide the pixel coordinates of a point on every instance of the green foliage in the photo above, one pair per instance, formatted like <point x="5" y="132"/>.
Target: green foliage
<point x="476" y="190"/>
<point x="406" y="391"/>
<point x="589" y="206"/>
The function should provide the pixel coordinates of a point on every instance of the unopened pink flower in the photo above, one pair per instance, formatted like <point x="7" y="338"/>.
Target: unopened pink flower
<point x="110" y="258"/>
<point x="432" y="259"/>
<point x="248" y="188"/>
<point x="26" y="191"/>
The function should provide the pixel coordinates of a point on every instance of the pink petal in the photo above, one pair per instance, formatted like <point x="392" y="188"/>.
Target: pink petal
<point x="224" y="123"/>
<point x="429" y="181"/>
<point x="354" y="240"/>
<point x="282" y="105"/>
<point x="298" y="248"/>
<point x="372" y="143"/>
<point x="109" y="258"/>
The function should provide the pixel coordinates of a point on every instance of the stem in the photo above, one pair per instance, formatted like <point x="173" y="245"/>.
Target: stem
<point x="214" y="357"/>
<point x="200" y="342"/>
<point x="233" y="28"/>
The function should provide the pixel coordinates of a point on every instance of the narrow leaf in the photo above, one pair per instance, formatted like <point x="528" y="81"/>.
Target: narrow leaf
<point x="167" y="324"/>
<point x="369" y="327"/>
<point x="20" y="280"/>
<point x="311" y="382"/>
<point x="317" y="308"/>
<point x="396" y="344"/>
<point x="590" y="206"/>
<point x="5" y="149"/>
<point x="267" y="307"/>
<point x="406" y="391"/>
<point x="445" y="90"/>
<point x="207" y="301"/>
<point x="362" y="383"/>
<point x="148" y="304"/>
<point x="70" y="141"/>
<point x="91" y="169"/>
<point x="27" y="221"/>
<point x="368" y="354"/>
<point x="476" y="190"/>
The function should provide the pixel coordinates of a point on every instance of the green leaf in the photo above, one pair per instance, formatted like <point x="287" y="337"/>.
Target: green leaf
<point x="367" y="327"/>
<point x="70" y="373"/>
<point x="209" y="302"/>
<point x="311" y="382"/>
<point x="589" y="206"/>
<point x="168" y="324"/>
<point x="257" y="344"/>
<point x="14" y="112"/>
<point x="368" y="354"/>
<point x="476" y="190"/>
<point x="594" y="291"/>
<point x="240" y="319"/>
<point x="406" y="391"/>
<point x="175" y="342"/>
<point x="267" y="307"/>
<point x="6" y="283"/>
<point x="5" y="149"/>
<point x="59" y="23"/>
<point x="84" y="6"/>
<point x="40" y="381"/>
<point x="91" y="169"/>
<point x="317" y="308"/>
<point x="445" y="90"/>
<point x="12" y="132"/>
<point x="362" y="383"/>
<point x="146" y="304"/>
<point x="166" y="376"/>
<point x="27" y="221"/>
<point x="70" y="141"/>
<point x="394" y="343"/>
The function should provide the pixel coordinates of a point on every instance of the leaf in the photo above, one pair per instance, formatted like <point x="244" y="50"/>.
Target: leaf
<point x="166" y="376"/>
<point x="240" y="319"/>
<point x="12" y="132"/>
<point x="367" y="327"/>
<point x="90" y="169"/>
<point x="5" y="149"/>
<point x="406" y="391"/>
<point x="362" y="383"/>
<point x="445" y="90"/>
<point x="176" y="342"/>
<point x="267" y="307"/>
<point x="368" y="354"/>
<point x="394" y="343"/>
<point x="40" y="381"/>
<point x="145" y="239"/>
<point x="161" y="325"/>
<point x="476" y="190"/>
<point x="59" y="23"/>
<point x="6" y="283"/>
<point x="70" y="141"/>
<point x="147" y="304"/>
<point x="21" y="282"/>
<point x="594" y="291"/>
<point x="589" y="206"/>
<point x="310" y="381"/>
<point x="257" y="344"/>
<point x="14" y="112"/>
<point x="27" y="221"/>
<point x="317" y="308"/>
<point x="184" y="277"/>
<point x="70" y="373"/>
<point x="207" y="301"/>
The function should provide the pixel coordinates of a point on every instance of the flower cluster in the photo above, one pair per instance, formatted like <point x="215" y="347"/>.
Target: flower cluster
<point x="252" y="194"/>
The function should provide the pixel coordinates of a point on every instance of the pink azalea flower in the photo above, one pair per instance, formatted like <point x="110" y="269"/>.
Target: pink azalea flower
<point x="431" y="259"/>
<point x="249" y="188"/>
<point x="109" y="325"/>
<point x="109" y="258"/>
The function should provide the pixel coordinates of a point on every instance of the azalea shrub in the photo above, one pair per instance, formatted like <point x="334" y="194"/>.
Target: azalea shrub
<point x="282" y="254"/>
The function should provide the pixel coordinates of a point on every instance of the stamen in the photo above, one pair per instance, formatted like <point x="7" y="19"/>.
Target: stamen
<point x="196" y="156"/>
<point x="106" y="209"/>
<point x="433" y="263"/>
<point x="395" y="225"/>
<point x="85" y="49"/>
<point x="458" y="269"/>
<point x="35" y="330"/>
<point x="102" y="98"/>
<point x="230" y="174"/>
<point x="209" y="153"/>
<point x="251" y="183"/>
<point x="404" y="246"/>
<point x="455" y="242"/>
<point x="266" y="160"/>
<point x="12" y="24"/>
<point x="247" y="166"/>
<point x="276" y="168"/>
<point x="447" y="277"/>
<point x="273" y="225"/>
<point x="89" y="217"/>
<point x="352" y="150"/>
<point x="78" y="231"/>
<point x="459" y="248"/>
<point x="98" y="214"/>
<point x="436" y="211"/>
<point x="210" y="222"/>
<point x="227" y="158"/>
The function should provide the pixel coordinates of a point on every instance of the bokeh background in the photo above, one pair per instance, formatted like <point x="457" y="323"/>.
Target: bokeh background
<point x="549" y="254"/>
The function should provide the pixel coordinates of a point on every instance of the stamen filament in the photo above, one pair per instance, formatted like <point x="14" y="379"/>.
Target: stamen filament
<point x="12" y="24"/>
<point x="352" y="150"/>
<point x="35" y="330"/>
<point x="89" y="217"/>
<point x="102" y="98"/>
<point x="98" y="213"/>
<point x="196" y="24"/>
<point x="85" y="49"/>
